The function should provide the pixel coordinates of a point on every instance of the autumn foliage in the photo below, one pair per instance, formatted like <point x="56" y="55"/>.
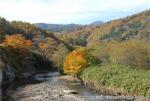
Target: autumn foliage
<point x="18" y="41"/>
<point x="133" y="53"/>
<point x="75" y="62"/>
<point x="18" y="48"/>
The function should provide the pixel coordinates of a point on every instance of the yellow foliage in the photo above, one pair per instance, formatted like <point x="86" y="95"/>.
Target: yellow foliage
<point x="75" y="62"/>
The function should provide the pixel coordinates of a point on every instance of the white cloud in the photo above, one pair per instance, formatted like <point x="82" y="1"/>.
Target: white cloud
<point x="61" y="11"/>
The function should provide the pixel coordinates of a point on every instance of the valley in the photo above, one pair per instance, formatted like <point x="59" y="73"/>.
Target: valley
<point x="55" y="62"/>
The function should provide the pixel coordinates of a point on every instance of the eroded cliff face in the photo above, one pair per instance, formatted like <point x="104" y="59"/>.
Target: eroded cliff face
<point x="7" y="71"/>
<point x="1" y="75"/>
<point x="0" y="84"/>
<point x="13" y="68"/>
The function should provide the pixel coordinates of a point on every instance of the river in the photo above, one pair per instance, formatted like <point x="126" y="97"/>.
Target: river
<point x="51" y="86"/>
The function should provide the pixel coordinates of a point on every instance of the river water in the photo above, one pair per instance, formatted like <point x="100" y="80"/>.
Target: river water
<point x="89" y="94"/>
<point x="76" y="85"/>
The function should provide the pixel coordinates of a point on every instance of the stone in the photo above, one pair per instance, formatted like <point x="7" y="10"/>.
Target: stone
<point x="70" y="91"/>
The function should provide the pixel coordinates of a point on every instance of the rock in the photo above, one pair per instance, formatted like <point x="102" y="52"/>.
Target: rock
<point x="46" y="91"/>
<point x="70" y="91"/>
<point x="8" y="74"/>
<point x="0" y="84"/>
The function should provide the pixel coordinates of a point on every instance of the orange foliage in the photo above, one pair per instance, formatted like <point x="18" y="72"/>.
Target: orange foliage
<point x="18" y="41"/>
<point x="75" y="62"/>
<point x="19" y="49"/>
<point x="43" y="45"/>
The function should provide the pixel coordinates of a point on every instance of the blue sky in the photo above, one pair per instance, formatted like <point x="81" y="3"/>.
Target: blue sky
<point x="70" y="11"/>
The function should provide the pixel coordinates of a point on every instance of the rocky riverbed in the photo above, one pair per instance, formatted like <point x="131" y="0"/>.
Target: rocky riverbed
<point x="53" y="87"/>
<point x="50" y="90"/>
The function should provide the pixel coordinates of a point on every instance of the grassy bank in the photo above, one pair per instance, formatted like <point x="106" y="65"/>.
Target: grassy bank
<point x="119" y="78"/>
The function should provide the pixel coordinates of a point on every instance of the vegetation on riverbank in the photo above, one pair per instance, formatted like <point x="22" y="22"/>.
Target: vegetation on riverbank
<point x="130" y="74"/>
<point x="119" y="78"/>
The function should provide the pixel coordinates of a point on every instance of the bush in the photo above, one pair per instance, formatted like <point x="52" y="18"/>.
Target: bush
<point x="77" y="60"/>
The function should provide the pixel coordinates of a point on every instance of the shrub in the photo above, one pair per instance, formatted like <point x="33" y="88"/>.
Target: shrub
<point x="77" y="60"/>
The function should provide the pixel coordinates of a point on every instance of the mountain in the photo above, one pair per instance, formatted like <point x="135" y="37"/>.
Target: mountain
<point x="65" y="27"/>
<point x="59" y="27"/>
<point x="96" y="23"/>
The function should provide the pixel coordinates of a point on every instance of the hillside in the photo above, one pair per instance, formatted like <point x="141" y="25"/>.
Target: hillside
<point x="132" y="27"/>
<point x="26" y="48"/>
<point x="115" y="58"/>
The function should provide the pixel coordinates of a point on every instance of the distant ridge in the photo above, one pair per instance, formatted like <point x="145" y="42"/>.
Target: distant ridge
<point x="65" y="27"/>
<point x="59" y="27"/>
<point x="97" y="23"/>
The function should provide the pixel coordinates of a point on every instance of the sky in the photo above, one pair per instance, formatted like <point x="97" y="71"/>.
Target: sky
<point x="70" y="11"/>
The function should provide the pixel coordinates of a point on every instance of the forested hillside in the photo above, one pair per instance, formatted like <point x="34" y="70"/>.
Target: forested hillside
<point x="25" y="48"/>
<point x="132" y="27"/>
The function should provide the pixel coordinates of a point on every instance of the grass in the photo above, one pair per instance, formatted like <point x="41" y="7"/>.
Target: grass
<point x="119" y="78"/>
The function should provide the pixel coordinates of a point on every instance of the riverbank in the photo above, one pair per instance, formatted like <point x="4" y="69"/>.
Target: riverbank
<point x="53" y="87"/>
<point x="49" y="90"/>
<point x="118" y="80"/>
